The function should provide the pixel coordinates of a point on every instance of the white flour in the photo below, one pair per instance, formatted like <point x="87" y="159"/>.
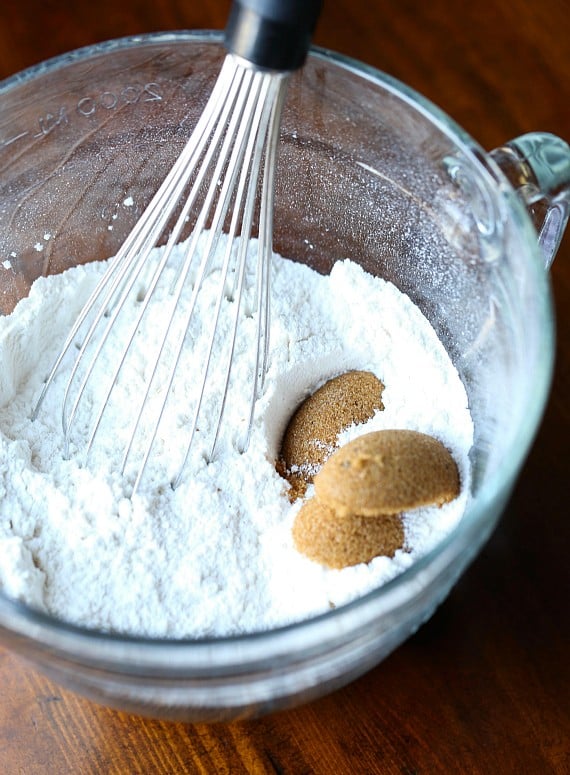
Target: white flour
<point x="214" y="556"/>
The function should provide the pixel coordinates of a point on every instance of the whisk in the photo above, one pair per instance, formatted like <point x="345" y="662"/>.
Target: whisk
<point x="223" y="178"/>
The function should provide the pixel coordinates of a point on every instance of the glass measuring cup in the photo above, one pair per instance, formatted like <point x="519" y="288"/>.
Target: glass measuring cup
<point x="368" y="170"/>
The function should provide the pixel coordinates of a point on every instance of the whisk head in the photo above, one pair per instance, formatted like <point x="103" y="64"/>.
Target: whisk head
<point x="159" y="338"/>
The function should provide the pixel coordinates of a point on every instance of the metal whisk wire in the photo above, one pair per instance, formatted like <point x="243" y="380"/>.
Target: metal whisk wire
<point x="222" y="178"/>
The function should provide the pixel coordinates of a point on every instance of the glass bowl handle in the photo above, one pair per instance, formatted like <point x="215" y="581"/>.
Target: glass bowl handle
<point x="538" y="166"/>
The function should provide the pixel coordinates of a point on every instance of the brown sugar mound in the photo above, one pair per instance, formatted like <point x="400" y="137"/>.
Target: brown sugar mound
<point x="387" y="472"/>
<point x="361" y="491"/>
<point x="337" y="542"/>
<point x="311" y="436"/>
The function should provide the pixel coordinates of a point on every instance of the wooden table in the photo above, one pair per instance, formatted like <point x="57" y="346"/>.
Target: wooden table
<point x="484" y="686"/>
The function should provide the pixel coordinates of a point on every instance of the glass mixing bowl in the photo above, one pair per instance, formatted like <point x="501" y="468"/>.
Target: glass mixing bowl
<point x="367" y="170"/>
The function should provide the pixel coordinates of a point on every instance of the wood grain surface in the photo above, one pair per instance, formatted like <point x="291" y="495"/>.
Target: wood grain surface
<point x="484" y="686"/>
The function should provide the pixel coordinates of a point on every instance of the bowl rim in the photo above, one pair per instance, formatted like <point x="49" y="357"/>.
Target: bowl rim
<point x="65" y="637"/>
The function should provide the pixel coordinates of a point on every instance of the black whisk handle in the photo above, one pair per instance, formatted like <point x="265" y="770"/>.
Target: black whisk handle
<point x="272" y="34"/>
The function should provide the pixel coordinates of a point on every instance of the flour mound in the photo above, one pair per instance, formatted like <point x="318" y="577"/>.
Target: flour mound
<point x="214" y="556"/>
